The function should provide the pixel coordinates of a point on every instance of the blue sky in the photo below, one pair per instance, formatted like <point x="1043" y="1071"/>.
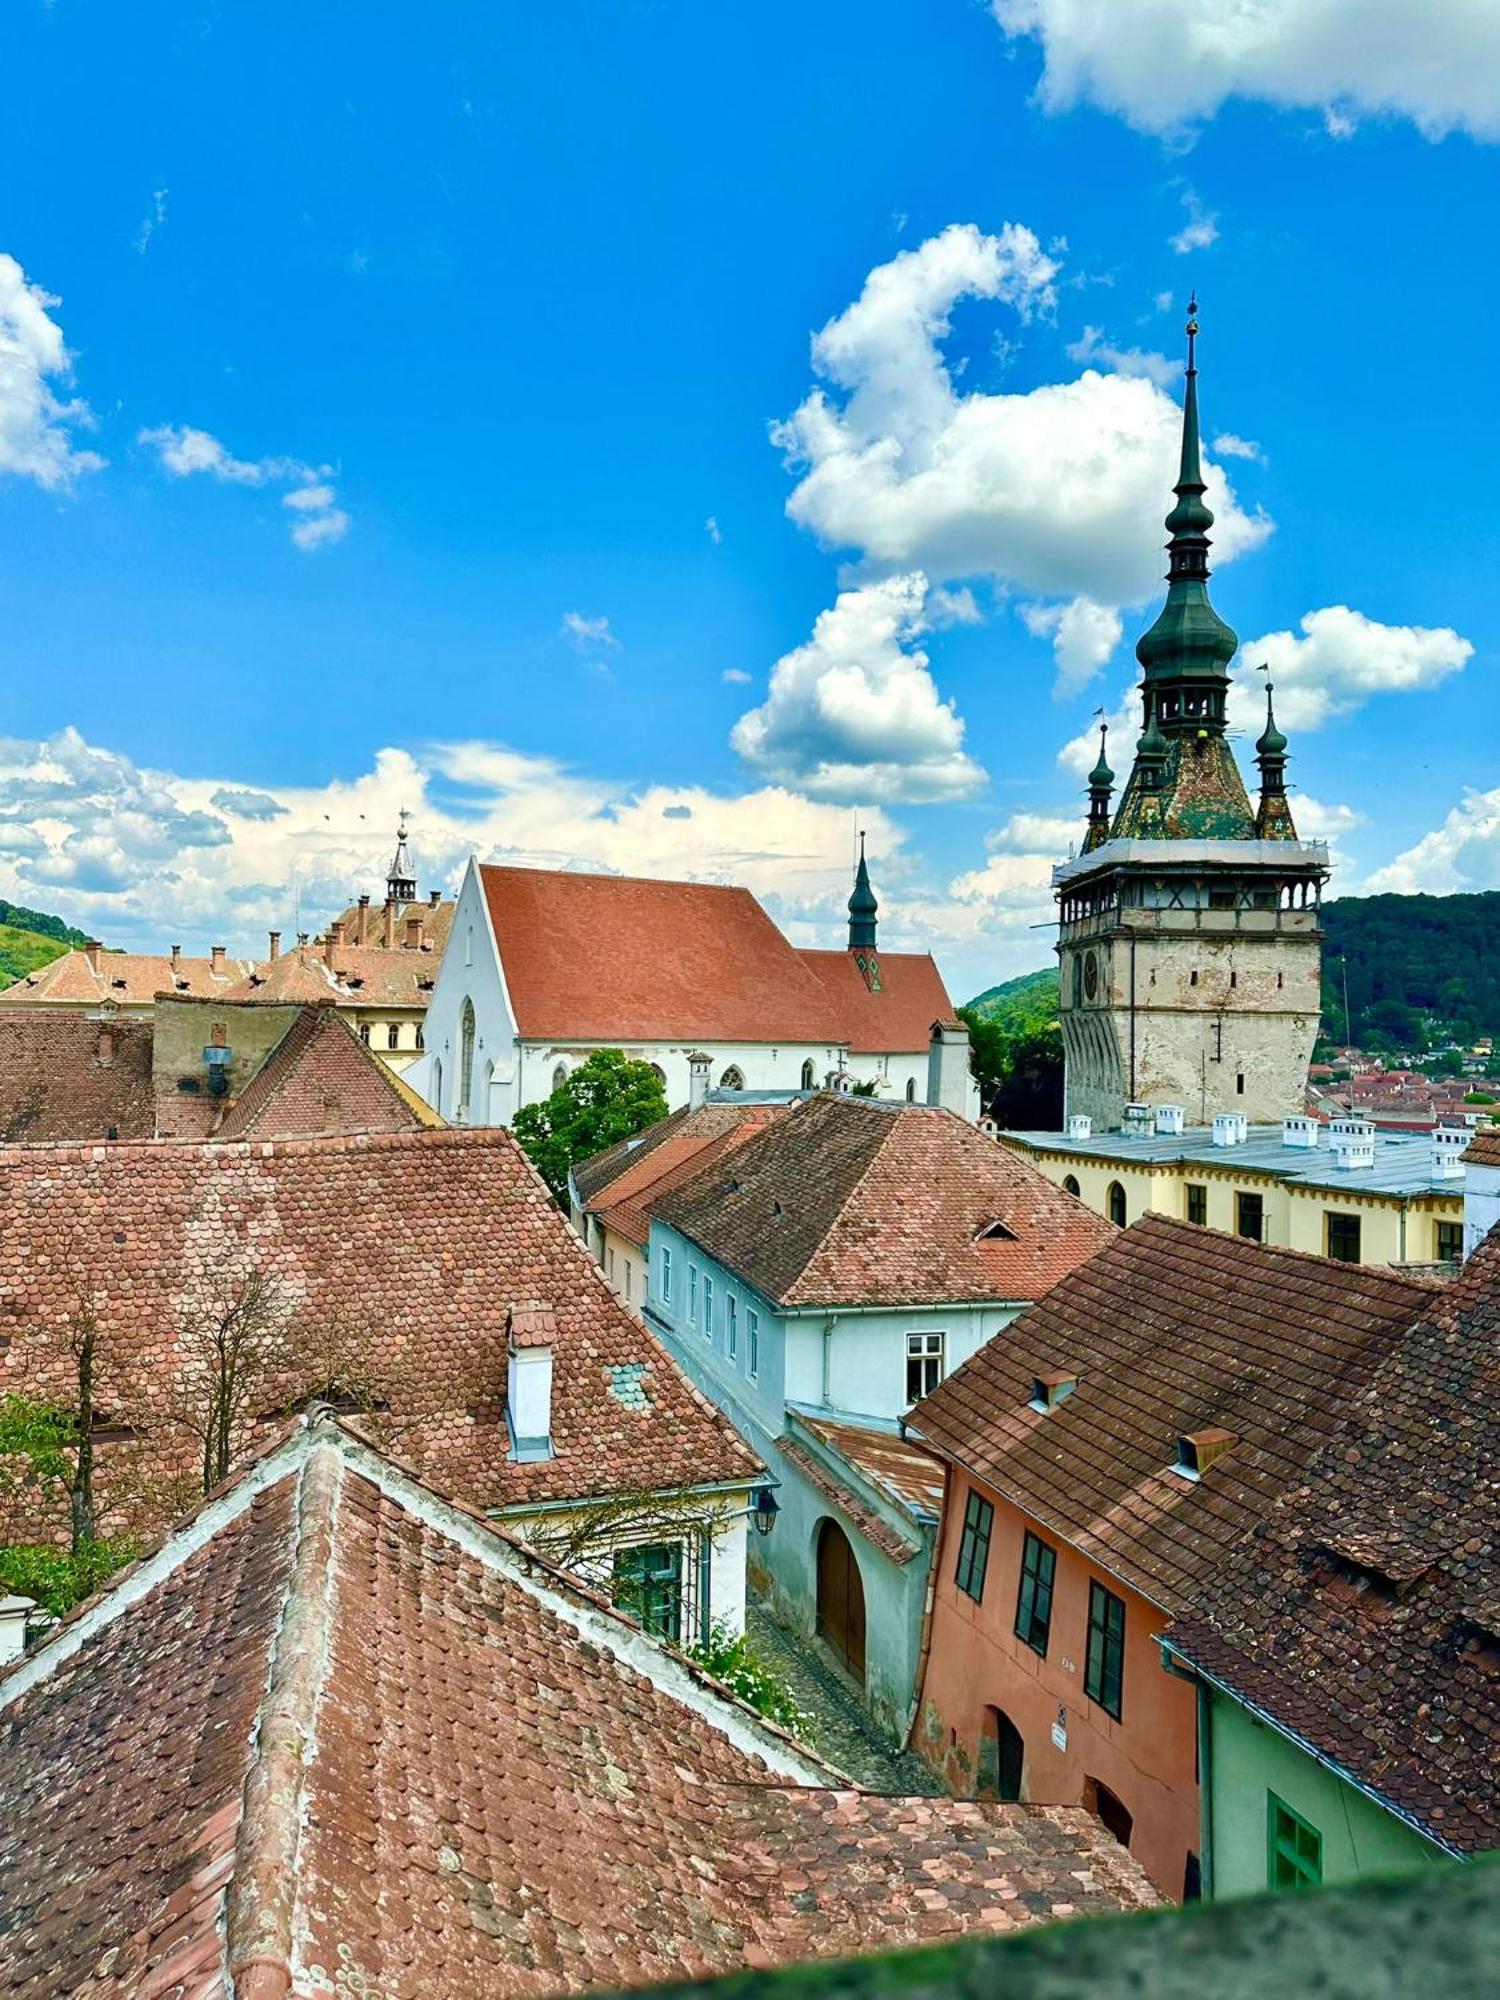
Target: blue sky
<point x="355" y="364"/>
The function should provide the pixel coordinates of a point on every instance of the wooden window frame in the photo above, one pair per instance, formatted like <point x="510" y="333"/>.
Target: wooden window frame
<point x="974" y="1545"/>
<point x="1105" y="1646"/>
<point x="1034" y="1594"/>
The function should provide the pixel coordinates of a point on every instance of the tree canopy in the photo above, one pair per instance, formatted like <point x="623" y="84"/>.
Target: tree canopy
<point x="609" y="1097"/>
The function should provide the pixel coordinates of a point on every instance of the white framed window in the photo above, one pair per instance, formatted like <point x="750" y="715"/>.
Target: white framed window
<point x="708" y="1307"/>
<point x="732" y="1324"/>
<point x="692" y="1311"/>
<point x="752" y="1342"/>
<point x="924" y="1364"/>
<point x="666" y="1275"/>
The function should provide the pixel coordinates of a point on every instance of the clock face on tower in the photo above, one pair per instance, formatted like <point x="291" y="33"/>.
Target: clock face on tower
<point x="1090" y="975"/>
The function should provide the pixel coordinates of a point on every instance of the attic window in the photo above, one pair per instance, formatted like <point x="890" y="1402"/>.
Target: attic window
<point x="1198" y="1450"/>
<point x="119" y="983"/>
<point x="995" y="1232"/>
<point x="1048" y="1390"/>
<point x="777" y="1209"/>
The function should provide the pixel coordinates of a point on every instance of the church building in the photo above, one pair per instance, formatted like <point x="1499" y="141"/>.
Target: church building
<point x="1189" y="937"/>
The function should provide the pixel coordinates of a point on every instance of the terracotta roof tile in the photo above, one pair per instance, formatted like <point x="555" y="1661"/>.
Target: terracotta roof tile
<point x="850" y="1202"/>
<point x="613" y="958"/>
<point x="699" y="1139"/>
<point x="1170" y="1330"/>
<point x="126" y="978"/>
<point x="893" y="1017"/>
<point x="321" y="1078"/>
<point x="355" y="976"/>
<point x="354" y="1741"/>
<point x="1484" y="1148"/>
<point x="1363" y="1613"/>
<point x="66" y="1074"/>
<point x="905" y="1472"/>
<point x="422" y="1242"/>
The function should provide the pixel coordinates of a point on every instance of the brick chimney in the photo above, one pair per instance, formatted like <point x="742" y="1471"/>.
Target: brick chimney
<point x="216" y="956"/>
<point x="414" y="934"/>
<point x="275" y="943"/>
<point x="93" y="951"/>
<point x="176" y="959"/>
<point x="389" y="938"/>
<point x="362" y="935"/>
<point x="434" y="899"/>
<point x="333" y="943"/>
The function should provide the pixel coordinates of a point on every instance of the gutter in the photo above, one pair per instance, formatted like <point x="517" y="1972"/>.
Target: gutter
<point x="1318" y="1756"/>
<point x="705" y="1492"/>
<point x="924" y="1646"/>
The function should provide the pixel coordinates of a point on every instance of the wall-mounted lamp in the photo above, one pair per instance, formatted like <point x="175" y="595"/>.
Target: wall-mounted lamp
<point x="764" y="1509"/>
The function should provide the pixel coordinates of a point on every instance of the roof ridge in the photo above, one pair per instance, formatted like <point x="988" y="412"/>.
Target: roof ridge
<point x="892" y="1121"/>
<point x="261" y="1896"/>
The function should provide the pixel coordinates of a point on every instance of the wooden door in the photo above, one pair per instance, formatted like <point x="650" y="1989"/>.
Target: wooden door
<point x="841" y="1598"/>
<point x="1002" y="1758"/>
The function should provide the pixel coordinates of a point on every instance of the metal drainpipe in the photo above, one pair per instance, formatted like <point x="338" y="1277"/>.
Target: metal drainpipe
<point x="924" y="1644"/>
<point x="828" y="1326"/>
<point x="1132" y="1016"/>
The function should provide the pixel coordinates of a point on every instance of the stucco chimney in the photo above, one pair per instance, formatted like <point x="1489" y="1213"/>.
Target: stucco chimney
<point x="948" y="1066"/>
<point x="333" y="942"/>
<point x="529" y="1381"/>
<point x="362" y="936"/>
<point x="700" y="1067"/>
<point x="93" y="951"/>
<point x="1449" y="1144"/>
<point x="275" y="943"/>
<point x="216" y="955"/>
<point x="13" y="1614"/>
<point x="434" y="899"/>
<point x="414" y="934"/>
<point x="176" y="957"/>
<point x="389" y="939"/>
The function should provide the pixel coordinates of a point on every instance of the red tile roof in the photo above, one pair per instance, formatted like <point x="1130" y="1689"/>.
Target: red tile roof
<point x="321" y="1078"/>
<point x="338" y="1735"/>
<point x="367" y="976"/>
<point x="66" y="1074"/>
<point x="128" y="978"/>
<point x="852" y="1202"/>
<point x="896" y="1016"/>
<point x="1363" y="1614"/>
<point x="1170" y="1330"/>
<point x="905" y="1472"/>
<point x="664" y="1159"/>
<point x="1484" y="1148"/>
<point x="612" y="958"/>
<point x="417" y="1245"/>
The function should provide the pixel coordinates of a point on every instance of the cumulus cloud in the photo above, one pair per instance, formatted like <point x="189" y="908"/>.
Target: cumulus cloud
<point x="38" y="427"/>
<point x="1083" y="636"/>
<point x="1228" y="445"/>
<point x="854" y="713"/>
<point x="316" y="518"/>
<point x="1463" y="853"/>
<point x="588" y="634"/>
<point x="1199" y="231"/>
<point x="1339" y="660"/>
<point x="246" y="804"/>
<point x="1092" y="345"/>
<point x="1437" y="64"/>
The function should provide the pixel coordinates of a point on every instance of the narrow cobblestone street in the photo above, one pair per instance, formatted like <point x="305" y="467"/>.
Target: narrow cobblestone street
<point x="839" y="1728"/>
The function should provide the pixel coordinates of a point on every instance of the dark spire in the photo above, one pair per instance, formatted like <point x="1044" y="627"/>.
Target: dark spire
<point x="401" y="877"/>
<point x="1270" y="745"/>
<point x="862" y="907"/>
<point x="1186" y="651"/>
<point x="1101" y="784"/>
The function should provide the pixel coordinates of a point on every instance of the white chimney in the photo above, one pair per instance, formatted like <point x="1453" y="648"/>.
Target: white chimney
<point x="948" y="1067"/>
<point x="1300" y="1131"/>
<point x="699" y="1068"/>
<point x="1136" y="1120"/>
<point x="1353" y="1143"/>
<point x="1230" y="1128"/>
<point x="14" y="1612"/>
<point x="1080" y="1125"/>
<point x="1449" y="1144"/>
<point x="529" y="1382"/>
<point x="1170" y="1119"/>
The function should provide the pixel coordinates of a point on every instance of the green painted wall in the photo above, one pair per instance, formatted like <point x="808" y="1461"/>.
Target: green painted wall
<point x="1246" y="1761"/>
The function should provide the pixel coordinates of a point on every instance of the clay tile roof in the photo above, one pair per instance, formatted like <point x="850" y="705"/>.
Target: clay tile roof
<point x="338" y="1735"/>
<point x="127" y="978"/>
<point x="437" y="921"/>
<point x="1170" y="1330"/>
<point x="850" y="1202"/>
<point x="321" y="1078"/>
<point x="614" y="958"/>
<point x="533" y="1326"/>
<point x="1363" y="1614"/>
<point x="357" y="977"/>
<point x="71" y="1075"/>
<point x="894" y="1017"/>
<point x="1484" y="1148"/>
<point x="421" y="1243"/>
<point x="624" y="1199"/>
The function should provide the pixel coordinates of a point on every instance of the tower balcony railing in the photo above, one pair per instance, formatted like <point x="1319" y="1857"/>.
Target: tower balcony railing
<point x="1196" y="857"/>
<point x="1182" y="922"/>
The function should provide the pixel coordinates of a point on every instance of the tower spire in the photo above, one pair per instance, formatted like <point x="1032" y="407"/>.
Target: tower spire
<point x="1273" y="819"/>
<point x="863" y="907"/>
<point x="401" y="877"/>
<point x="1101" y="784"/>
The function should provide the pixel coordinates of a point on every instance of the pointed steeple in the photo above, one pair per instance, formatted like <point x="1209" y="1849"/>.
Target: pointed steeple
<point x="401" y="877"/>
<point x="1186" y="652"/>
<point x="1101" y="785"/>
<point x="863" y="907"/>
<point x="1273" y="819"/>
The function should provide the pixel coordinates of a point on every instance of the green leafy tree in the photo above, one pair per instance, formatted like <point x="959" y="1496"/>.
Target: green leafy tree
<point x="1019" y="1071"/>
<point x="609" y="1097"/>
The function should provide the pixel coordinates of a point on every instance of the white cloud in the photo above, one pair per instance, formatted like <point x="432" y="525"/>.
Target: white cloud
<point x="1092" y="345"/>
<point x="1338" y="662"/>
<point x="37" y="427"/>
<point x="1199" y="231"/>
<point x="1059" y="491"/>
<point x="588" y="633"/>
<point x="736" y="677"/>
<point x="1463" y="853"/>
<point x="153" y="219"/>
<point x="952" y="607"/>
<point x="1083" y="636"/>
<point x="854" y="713"/>
<point x="317" y="519"/>
<point x="1177" y="61"/>
<point x="712" y="529"/>
<point x="1228" y="445"/>
<point x="1078" y="755"/>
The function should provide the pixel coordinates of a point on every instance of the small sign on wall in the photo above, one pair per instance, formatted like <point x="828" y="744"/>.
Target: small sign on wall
<point x="1060" y="1730"/>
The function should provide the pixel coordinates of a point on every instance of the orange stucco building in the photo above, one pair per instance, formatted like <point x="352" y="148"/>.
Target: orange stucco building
<point x="1105" y="1452"/>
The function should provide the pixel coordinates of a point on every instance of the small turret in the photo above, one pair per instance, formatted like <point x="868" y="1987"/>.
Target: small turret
<point x="863" y="908"/>
<point x="401" y="879"/>
<point x="1101" y="785"/>
<point x="1273" y="819"/>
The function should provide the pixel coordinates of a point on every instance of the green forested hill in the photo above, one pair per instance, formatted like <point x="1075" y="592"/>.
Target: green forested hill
<point x="1421" y="969"/>
<point x="29" y="938"/>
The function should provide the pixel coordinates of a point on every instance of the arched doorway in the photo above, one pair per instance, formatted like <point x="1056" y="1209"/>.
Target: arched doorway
<point x="1002" y="1758"/>
<point x="841" y="1598"/>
